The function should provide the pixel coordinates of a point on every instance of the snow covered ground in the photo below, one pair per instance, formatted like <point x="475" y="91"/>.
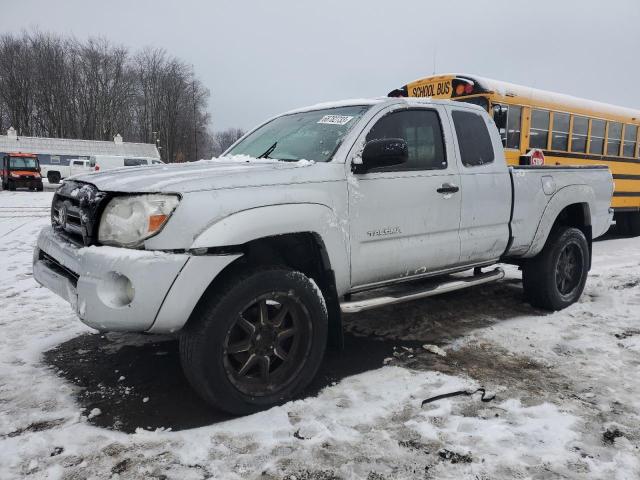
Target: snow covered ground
<point x="567" y="388"/>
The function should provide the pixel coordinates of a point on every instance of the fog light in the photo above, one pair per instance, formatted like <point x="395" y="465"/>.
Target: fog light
<point x="115" y="290"/>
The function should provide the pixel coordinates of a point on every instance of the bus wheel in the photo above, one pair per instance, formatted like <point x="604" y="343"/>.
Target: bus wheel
<point x="53" y="177"/>
<point x="633" y="224"/>
<point x="11" y="185"/>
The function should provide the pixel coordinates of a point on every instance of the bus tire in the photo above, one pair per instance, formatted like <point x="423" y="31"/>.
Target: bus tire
<point x="633" y="223"/>
<point x="53" y="177"/>
<point x="555" y="278"/>
<point x="256" y="340"/>
<point x="11" y="185"/>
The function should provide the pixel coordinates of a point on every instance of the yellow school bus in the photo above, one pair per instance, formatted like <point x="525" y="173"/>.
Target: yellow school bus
<point x="567" y="130"/>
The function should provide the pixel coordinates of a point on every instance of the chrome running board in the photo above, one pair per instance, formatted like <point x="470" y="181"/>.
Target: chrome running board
<point x="452" y="284"/>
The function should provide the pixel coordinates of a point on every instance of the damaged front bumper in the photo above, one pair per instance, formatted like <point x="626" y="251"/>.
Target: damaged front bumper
<point x="120" y="289"/>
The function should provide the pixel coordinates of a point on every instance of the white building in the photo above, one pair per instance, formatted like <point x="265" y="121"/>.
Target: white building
<point x="58" y="151"/>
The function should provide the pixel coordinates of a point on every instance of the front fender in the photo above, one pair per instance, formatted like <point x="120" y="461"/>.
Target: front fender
<point x="564" y="197"/>
<point x="255" y="223"/>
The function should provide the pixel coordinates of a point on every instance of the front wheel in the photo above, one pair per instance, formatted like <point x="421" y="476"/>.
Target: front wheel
<point x="555" y="278"/>
<point x="256" y="342"/>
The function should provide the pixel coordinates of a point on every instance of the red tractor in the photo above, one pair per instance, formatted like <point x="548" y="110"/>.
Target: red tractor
<point x="21" y="170"/>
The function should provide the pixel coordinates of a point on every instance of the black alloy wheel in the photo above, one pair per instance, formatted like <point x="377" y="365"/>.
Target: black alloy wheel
<point x="569" y="269"/>
<point x="267" y="343"/>
<point x="256" y="338"/>
<point x="555" y="278"/>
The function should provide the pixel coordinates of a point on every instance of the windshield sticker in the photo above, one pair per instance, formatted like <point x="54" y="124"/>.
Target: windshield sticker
<point x="335" y="119"/>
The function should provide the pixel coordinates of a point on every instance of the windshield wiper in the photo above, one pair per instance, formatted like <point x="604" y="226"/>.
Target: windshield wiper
<point x="269" y="151"/>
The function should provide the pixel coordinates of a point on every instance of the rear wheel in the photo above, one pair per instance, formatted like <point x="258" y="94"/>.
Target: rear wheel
<point x="555" y="278"/>
<point x="256" y="342"/>
<point x="11" y="185"/>
<point x="53" y="177"/>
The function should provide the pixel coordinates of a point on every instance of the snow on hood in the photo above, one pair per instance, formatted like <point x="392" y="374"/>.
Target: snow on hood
<point x="217" y="173"/>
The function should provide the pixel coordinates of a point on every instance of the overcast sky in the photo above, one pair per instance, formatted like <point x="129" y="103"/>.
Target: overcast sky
<point x="259" y="58"/>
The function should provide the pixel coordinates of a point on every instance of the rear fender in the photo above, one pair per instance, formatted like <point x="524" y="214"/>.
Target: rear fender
<point x="569" y="195"/>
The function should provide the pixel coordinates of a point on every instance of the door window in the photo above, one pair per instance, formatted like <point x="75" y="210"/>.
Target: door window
<point x="421" y="130"/>
<point x="473" y="139"/>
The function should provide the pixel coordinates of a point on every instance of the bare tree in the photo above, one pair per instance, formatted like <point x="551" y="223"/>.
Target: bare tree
<point x="224" y="139"/>
<point x="16" y="81"/>
<point x="61" y="87"/>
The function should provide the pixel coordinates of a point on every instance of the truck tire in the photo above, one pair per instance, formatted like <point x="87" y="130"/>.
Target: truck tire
<point x="555" y="278"/>
<point x="257" y="341"/>
<point x="53" y="177"/>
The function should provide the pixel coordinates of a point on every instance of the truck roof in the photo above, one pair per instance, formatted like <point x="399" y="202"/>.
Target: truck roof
<point x="381" y="100"/>
<point x="21" y="154"/>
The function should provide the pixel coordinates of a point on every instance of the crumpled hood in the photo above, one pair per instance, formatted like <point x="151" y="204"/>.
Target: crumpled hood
<point x="207" y="175"/>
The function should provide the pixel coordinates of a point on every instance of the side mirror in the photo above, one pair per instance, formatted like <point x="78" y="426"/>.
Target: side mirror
<point x="382" y="153"/>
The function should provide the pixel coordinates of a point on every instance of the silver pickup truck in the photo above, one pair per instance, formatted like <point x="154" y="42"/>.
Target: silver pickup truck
<point x="330" y="209"/>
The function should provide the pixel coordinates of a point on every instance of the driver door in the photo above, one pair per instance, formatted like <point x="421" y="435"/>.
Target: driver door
<point x="405" y="218"/>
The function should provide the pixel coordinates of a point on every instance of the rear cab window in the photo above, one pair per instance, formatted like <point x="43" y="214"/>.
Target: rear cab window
<point x="134" y="162"/>
<point x="473" y="137"/>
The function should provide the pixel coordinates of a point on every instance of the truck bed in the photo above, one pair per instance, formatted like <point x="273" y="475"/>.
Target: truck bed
<point x="538" y="189"/>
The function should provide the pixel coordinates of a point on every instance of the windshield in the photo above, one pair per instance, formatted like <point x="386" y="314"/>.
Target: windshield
<point x="23" y="163"/>
<point x="313" y="135"/>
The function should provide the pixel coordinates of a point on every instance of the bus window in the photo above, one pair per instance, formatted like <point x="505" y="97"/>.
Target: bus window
<point x="630" y="135"/>
<point x="579" y="135"/>
<point x="539" y="134"/>
<point x="596" y="142"/>
<point x="613" y="138"/>
<point x="560" y="133"/>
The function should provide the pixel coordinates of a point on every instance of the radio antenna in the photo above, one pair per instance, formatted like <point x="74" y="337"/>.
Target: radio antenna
<point x="435" y="54"/>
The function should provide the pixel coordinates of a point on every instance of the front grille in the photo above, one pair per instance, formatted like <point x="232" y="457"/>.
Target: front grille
<point x="75" y="211"/>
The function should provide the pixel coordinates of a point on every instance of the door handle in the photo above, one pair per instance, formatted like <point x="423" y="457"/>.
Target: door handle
<point x="448" y="188"/>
